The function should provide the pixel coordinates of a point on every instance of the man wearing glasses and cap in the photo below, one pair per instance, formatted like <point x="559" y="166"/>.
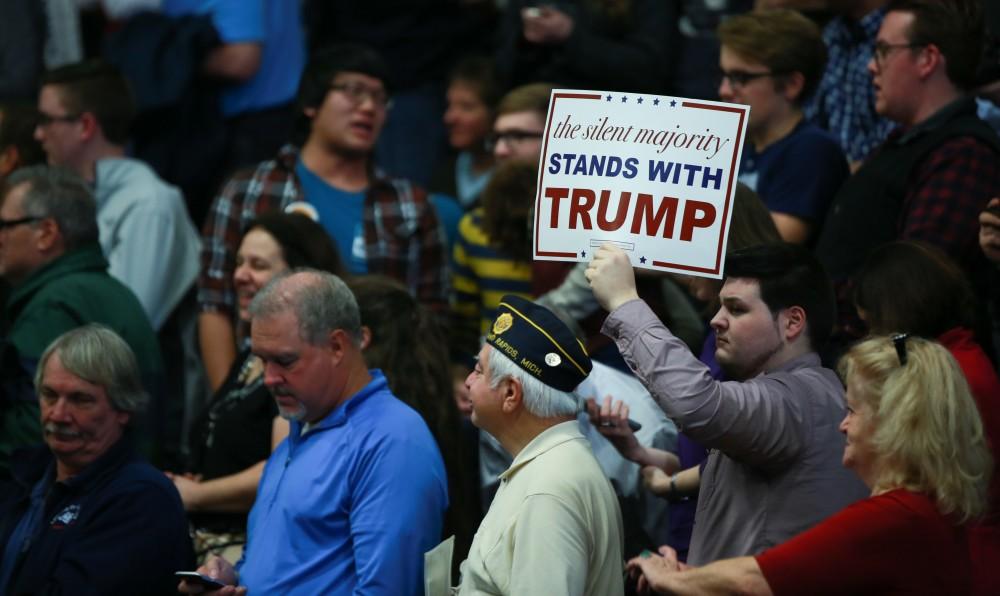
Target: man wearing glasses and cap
<point x="554" y="526"/>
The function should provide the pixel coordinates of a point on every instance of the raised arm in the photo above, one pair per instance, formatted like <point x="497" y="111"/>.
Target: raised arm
<point x="758" y="421"/>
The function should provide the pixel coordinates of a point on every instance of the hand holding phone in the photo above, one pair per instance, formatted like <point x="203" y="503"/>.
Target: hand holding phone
<point x="206" y="582"/>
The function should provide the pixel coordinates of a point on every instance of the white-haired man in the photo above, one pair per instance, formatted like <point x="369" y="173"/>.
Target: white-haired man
<point x="554" y="526"/>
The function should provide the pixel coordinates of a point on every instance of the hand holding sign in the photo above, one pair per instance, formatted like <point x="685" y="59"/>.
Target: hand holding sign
<point x="546" y="25"/>
<point x="611" y="277"/>
<point x="654" y="175"/>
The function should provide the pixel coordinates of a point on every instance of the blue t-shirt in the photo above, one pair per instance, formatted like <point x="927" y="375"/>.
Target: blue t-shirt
<point x="340" y="212"/>
<point x="349" y="507"/>
<point x="449" y="213"/>
<point x="277" y="25"/>
<point x="797" y="175"/>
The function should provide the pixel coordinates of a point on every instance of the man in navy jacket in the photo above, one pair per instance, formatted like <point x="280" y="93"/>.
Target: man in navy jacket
<point x="84" y="514"/>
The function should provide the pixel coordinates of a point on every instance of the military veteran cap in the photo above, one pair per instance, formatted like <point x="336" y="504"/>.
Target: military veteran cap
<point x="537" y="341"/>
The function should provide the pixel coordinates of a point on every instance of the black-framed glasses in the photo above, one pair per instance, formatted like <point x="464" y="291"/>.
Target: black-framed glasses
<point x="511" y="137"/>
<point x="739" y="78"/>
<point x="899" y="342"/>
<point x="47" y="119"/>
<point x="881" y="50"/>
<point x="358" y="92"/>
<point x="10" y="223"/>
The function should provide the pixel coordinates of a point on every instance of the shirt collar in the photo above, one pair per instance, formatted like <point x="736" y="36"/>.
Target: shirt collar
<point x="545" y="441"/>
<point x="807" y="360"/>
<point x="939" y="118"/>
<point x="111" y="459"/>
<point x="342" y="413"/>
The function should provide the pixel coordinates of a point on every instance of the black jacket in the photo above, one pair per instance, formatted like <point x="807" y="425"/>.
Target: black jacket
<point x="118" y="527"/>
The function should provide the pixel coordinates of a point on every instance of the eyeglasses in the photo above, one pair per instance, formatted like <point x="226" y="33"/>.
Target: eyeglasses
<point x="899" y="341"/>
<point x="739" y="78"/>
<point x="511" y="137"/>
<point x="47" y="119"/>
<point x="10" y="223"/>
<point x="881" y="50"/>
<point x="357" y="92"/>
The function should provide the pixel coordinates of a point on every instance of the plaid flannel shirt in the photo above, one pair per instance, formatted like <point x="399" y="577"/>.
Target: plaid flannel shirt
<point x="402" y="237"/>
<point x="947" y="191"/>
<point x="844" y="102"/>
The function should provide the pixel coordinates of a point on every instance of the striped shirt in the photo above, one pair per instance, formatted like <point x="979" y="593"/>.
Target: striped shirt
<point x="482" y="276"/>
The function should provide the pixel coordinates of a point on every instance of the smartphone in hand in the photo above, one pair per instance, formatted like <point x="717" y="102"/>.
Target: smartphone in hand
<point x="209" y="583"/>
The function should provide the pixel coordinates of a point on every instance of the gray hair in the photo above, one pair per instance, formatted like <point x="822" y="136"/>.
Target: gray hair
<point x="62" y="195"/>
<point x="540" y="399"/>
<point x="321" y="302"/>
<point x="99" y="356"/>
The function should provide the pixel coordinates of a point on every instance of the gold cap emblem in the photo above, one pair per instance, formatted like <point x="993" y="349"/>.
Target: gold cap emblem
<point x="503" y="323"/>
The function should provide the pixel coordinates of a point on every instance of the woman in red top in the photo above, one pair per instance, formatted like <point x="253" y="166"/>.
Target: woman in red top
<point x="915" y="288"/>
<point x="914" y="436"/>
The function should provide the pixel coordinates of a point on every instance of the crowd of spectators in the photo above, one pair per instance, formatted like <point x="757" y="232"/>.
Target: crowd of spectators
<point x="269" y="307"/>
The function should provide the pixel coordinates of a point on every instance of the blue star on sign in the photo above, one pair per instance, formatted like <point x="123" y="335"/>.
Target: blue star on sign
<point x="673" y="103"/>
<point x="639" y="100"/>
<point x="583" y="254"/>
<point x="656" y="101"/>
<point x="624" y="99"/>
<point x="609" y="98"/>
<point x="642" y="260"/>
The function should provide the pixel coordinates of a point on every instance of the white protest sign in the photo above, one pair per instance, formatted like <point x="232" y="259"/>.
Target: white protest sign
<point x="655" y="175"/>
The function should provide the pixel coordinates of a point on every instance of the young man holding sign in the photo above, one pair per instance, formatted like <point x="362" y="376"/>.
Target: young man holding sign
<point x="774" y="469"/>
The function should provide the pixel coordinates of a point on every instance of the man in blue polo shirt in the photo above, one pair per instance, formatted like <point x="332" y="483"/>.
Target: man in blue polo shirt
<point x="355" y="496"/>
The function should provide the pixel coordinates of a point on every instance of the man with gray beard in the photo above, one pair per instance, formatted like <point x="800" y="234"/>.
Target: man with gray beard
<point x="354" y="497"/>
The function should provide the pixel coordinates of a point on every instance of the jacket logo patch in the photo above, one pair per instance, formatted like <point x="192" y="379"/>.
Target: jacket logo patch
<point x="66" y="517"/>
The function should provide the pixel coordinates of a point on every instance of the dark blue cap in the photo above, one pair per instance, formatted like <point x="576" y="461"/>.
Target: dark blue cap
<point x="538" y="342"/>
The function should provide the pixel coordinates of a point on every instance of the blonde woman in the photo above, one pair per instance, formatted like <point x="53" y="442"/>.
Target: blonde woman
<point x="915" y="438"/>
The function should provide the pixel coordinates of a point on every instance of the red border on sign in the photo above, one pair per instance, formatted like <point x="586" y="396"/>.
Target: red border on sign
<point x="729" y="188"/>
<point x="541" y="170"/>
<point x="729" y="185"/>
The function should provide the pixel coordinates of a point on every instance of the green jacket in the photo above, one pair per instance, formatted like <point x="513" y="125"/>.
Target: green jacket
<point x="73" y="290"/>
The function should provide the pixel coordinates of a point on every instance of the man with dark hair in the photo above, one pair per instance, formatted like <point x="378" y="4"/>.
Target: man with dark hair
<point x="354" y="497"/>
<point x="935" y="173"/>
<point x="18" y="146"/>
<point x="86" y="110"/>
<point x="49" y="253"/>
<point x="85" y="513"/>
<point x="775" y="464"/>
<point x="380" y="225"/>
